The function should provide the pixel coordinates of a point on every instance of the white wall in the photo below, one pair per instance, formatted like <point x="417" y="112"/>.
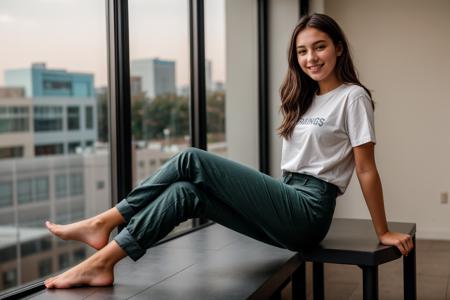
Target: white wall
<point x="242" y="81"/>
<point x="401" y="50"/>
<point x="283" y="16"/>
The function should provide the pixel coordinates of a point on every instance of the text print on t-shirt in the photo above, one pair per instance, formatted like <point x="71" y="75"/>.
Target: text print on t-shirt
<point x="312" y="121"/>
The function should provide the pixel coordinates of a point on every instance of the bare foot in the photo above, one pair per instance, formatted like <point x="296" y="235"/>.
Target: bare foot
<point x="91" y="272"/>
<point x="93" y="232"/>
<point x="97" y="270"/>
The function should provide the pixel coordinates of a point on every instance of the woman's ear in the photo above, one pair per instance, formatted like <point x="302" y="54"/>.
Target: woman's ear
<point x="339" y="49"/>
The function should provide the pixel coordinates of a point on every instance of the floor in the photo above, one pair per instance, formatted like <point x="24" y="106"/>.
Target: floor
<point x="433" y="276"/>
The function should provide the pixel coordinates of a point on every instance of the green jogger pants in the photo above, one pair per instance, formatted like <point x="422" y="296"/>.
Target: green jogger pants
<point x="293" y="212"/>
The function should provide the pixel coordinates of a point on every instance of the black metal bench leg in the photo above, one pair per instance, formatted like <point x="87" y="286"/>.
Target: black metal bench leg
<point x="298" y="278"/>
<point x="318" y="283"/>
<point x="409" y="274"/>
<point x="370" y="282"/>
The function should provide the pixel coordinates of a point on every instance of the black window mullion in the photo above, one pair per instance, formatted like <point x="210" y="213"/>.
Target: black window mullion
<point x="198" y="82"/>
<point x="263" y="102"/>
<point x="304" y="7"/>
<point x="119" y="93"/>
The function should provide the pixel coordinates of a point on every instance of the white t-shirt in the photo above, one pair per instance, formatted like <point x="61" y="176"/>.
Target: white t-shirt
<point x="322" y="141"/>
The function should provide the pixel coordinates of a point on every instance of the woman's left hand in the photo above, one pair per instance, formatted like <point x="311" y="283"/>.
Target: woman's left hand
<point x="402" y="241"/>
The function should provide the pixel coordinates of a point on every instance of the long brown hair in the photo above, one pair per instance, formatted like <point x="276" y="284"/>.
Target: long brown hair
<point x="297" y="90"/>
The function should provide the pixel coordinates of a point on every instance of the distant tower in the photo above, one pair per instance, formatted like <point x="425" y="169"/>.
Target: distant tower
<point x="157" y="76"/>
<point x="208" y="76"/>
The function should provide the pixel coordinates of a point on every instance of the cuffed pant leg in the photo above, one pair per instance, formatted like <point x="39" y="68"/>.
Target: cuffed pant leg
<point x="125" y="210"/>
<point x="129" y="244"/>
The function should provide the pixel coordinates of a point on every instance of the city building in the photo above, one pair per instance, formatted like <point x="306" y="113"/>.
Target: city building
<point x="33" y="190"/>
<point x="157" y="76"/>
<point x="38" y="81"/>
<point x="208" y="75"/>
<point x="63" y="108"/>
<point x="62" y="188"/>
<point x="16" y="124"/>
<point x="12" y="92"/>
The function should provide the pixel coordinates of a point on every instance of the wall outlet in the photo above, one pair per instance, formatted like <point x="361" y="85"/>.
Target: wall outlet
<point x="444" y="198"/>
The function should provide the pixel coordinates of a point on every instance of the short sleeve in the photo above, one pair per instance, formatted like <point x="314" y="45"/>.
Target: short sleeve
<point x="360" y="121"/>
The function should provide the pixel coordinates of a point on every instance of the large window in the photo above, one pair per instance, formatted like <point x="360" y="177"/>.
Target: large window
<point x="9" y="278"/>
<point x="5" y="194"/>
<point x="76" y="184"/>
<point x="73" y="147"/>
<point x="11" y="152"/>
<point x="215" y="71"/>
<point x="32" y="189"/>
<point x="61" y="189"/>
<point x="14" y="119"/>
<point x="45" y="267"/>
<point x="231" y="70"/>
<point x="40" y="185"/>
<point x="24" y="191"/>
<point x="73" y="118"/>
<point x="48" y="118"/>
<point x="52" y="86"/>
<point x="51" y="149"/>
<point x="53" y="106"/>
<point x="89" y="117"/>
<point x="159" y="67"/>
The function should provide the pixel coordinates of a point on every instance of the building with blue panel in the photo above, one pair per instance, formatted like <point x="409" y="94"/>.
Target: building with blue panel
<point x="64" y="108"/>
<point x="41" y="82"/>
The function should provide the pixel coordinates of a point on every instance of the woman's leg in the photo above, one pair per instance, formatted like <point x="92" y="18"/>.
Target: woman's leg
<point x="224" y="179"/>
<point x="217" y="176"/>
<point x="196" y="183"/>
<point x="97" y="270"/>
<point x="93" y="231"/>
<point x="292" y="228"/>
<point x="179" y="202"/>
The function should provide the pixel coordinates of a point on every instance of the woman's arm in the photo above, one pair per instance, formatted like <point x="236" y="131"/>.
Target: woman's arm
<point x="373" y="194"/>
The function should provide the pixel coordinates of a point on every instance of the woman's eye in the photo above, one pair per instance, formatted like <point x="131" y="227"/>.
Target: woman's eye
<point x="320" y="47"/>
<point x="301" y="52"/>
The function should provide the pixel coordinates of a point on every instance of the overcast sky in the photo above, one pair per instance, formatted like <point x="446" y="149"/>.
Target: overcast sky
<point x="71" y="35"/>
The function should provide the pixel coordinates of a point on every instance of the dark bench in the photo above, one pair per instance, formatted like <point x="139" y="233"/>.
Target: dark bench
<point x="354" y="242"/>
<point x="210" y="263"/>
<point x="217" y="263"/>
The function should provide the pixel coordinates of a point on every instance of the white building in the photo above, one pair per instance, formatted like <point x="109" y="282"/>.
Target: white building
<point x="157" y="76"/>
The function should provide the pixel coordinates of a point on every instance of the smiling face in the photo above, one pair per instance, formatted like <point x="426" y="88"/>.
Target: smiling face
<point x="317" y="55"/>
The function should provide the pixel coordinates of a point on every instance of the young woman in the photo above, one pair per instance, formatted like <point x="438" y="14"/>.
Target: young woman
<point x="327" y="132"/>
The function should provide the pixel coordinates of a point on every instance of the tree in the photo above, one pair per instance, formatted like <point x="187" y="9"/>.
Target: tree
<point x="151" y="116"/>
<point x="216" y="112"/>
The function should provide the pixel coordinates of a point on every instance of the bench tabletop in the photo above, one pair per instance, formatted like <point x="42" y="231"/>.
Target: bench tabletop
<point x="354" y="241"/>
<point x="211" y="263"/>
